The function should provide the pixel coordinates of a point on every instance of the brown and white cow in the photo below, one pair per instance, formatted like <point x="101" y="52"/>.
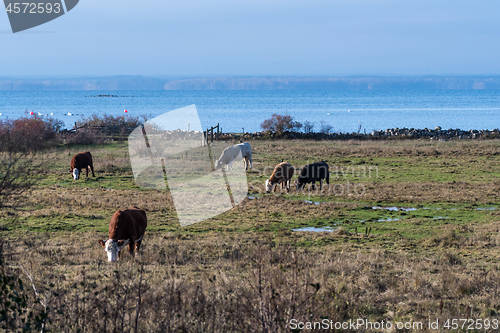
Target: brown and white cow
<point x="81" y="161"/>
<point x="126" y="227"/>
<point x="282" y="174"/>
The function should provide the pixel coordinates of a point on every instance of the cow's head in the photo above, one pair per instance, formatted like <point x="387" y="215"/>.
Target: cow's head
<point x="76" y="173"/>
<point x="298" y="185"/>
<point x="269" y="186"/>
<point x="113" y="248"/>
<point x="218" y="164"/>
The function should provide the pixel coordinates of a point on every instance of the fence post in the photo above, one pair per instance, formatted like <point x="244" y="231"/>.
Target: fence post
<point x="211" y="134"/>
<point x="218" y="132"/>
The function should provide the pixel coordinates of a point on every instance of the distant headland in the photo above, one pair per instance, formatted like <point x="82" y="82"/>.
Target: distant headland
<point x="129" y="82"/>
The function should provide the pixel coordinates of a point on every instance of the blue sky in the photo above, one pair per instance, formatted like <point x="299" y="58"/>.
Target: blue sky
<point x="257" y="37"/>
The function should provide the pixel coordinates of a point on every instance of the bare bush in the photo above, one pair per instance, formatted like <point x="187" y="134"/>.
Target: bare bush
<point x="279" y="124"/>
<point x="29" y="134"/>
<point x="84" y="136"/>
<point x="121" y="125"/>
<point x="325" y="128"/>
<point x="20" y="140"/>
<point x="308" y="127"/>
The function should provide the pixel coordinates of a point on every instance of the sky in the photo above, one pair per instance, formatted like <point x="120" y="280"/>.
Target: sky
<point x="259" y="38"/>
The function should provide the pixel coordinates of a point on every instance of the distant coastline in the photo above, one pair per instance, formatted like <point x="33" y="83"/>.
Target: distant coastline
<point x="252" y="83"/>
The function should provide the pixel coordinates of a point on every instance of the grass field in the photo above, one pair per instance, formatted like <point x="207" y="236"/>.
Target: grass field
<point x="414" y="236"/>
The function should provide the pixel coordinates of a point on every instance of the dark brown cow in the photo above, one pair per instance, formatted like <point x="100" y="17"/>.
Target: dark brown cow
<point x="81" y="161"/>
<point x="126" y="227"/>
<point x="312" y="173"/>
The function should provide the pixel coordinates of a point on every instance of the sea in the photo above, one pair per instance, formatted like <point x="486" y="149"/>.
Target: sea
<point x="244" y="111"/>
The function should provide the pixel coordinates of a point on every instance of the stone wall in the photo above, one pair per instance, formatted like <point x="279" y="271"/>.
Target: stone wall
<point x="392" y="133"/>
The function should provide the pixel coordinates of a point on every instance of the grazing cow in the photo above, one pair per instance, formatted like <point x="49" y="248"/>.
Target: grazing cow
<point x="81" y="161"/>
<point x="235" y="153"/>
<point x="126" y="227"/>
<point x="312" y="173"/>
<point x="282" y="174"/>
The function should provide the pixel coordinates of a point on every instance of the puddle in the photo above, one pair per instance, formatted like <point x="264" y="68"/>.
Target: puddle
<point x="486" y="208"/>
<point x="393" y="208"/>
<point x="252" y="198"/>
<point x="312" y="202"/>
<point x="388" y="219"/>
<point x="440" y="217"/>
<point x="313" y="229"/>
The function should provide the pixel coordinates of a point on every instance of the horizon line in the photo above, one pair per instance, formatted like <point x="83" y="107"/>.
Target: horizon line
<point x="193" y="76"/>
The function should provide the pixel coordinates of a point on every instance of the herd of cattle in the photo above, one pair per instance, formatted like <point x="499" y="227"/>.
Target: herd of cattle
<point x="127" y="226"/>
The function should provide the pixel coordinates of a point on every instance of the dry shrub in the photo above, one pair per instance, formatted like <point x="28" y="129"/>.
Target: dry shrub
<point x="84" y="136"/>
<point x="13" y="299"/>
<point x="28" y="134"/>
<point x="108" y="120"/>
<point x="120" y="125"/>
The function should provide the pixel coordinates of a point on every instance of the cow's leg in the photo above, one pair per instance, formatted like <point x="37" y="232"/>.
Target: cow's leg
<point x="245" y="160"/>
<point x="87" y="171"/>
<point x="92" y="168"/>
<point x="131" y="248"/>
<point x="321" y="184"/>
<point x="313" y="185"/>
<point x="138" y="245"/>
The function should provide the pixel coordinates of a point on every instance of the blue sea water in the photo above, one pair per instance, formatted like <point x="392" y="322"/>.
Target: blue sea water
<point x="345" y="110"/>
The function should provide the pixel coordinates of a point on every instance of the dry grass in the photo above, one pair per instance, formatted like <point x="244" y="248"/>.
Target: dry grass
<point x="245" y="270"/>
<point x="248" y="283"/>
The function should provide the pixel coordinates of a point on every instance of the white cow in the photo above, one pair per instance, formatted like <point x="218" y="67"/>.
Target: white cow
<point x="242" y="151"/>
